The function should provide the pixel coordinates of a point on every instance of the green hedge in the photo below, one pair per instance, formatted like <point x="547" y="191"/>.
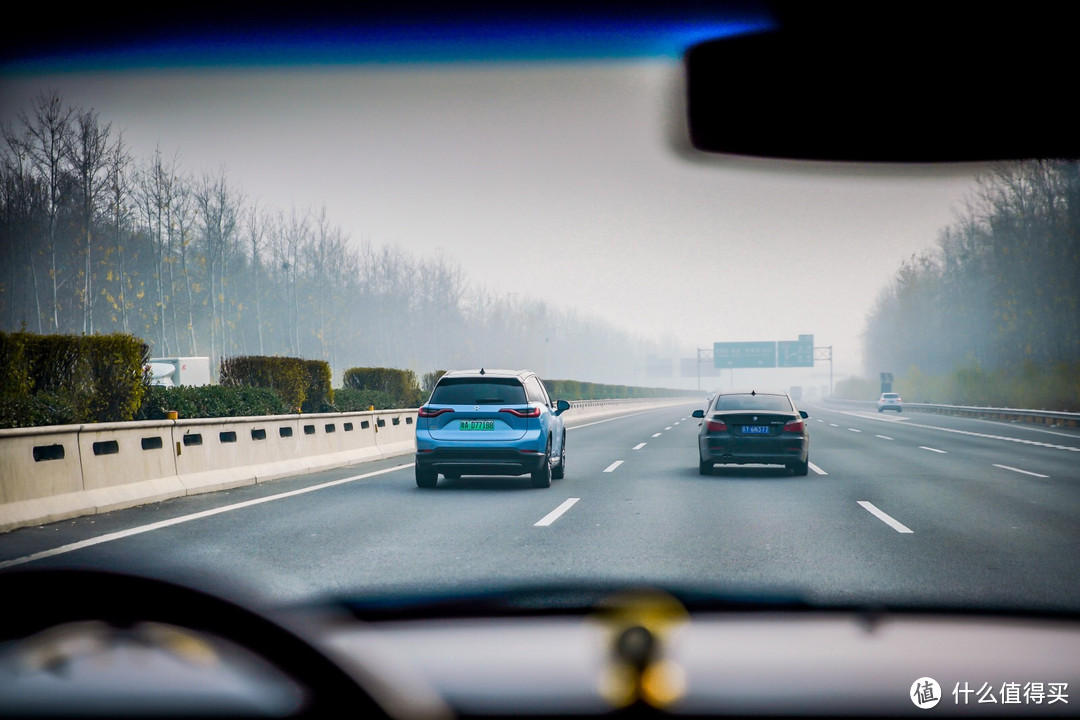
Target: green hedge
<point x="302" y="384"/>
<point x="40" y="409"/>
<point x="577" y="390"/>
<point x="400" y="386"/>
<point x="211" y="401"/>
<point x="71" y="378"/>
<point x="352" y="400"/>
<point x="319" y="393"/>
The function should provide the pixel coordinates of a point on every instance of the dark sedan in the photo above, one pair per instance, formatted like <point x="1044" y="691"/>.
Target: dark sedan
<point x="745" y="428"/>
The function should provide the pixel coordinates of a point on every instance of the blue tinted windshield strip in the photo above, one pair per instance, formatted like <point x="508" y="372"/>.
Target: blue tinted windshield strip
<point x="498" y="40"/>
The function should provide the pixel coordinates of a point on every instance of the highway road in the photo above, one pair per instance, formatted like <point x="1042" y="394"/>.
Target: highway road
<point x="897" y="508"/>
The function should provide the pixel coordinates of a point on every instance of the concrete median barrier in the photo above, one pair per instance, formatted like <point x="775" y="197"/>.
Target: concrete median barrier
<point x="124" y="464"/>
<point x="40" y="475"/>
<point x="395" y="432"/>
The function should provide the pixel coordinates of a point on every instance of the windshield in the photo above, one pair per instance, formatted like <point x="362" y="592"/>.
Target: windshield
<point x="436" y="204"/>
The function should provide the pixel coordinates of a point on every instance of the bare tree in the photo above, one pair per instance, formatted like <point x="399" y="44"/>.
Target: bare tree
<point x="183" y="219"/>
<point x="257" y="239"/>
<point x="151" y="198"/>
<point x="118" y="189"/>
<point x="87" y="148"/>
<point x="219" y="208"/>
<point x="47" y="137"/>
<point x="290" y="235"/>
<point x="21" y="203"/>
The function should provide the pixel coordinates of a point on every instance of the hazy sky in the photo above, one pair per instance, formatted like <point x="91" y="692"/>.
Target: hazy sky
<point x="551" y="180"/>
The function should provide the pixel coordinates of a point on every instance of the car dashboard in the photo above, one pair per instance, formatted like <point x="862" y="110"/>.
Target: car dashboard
<point x="163" y="650"/>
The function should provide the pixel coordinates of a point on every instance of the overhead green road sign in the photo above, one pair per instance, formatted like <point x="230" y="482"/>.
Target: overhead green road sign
<point x="796" y="353"/>
<point x="745" y="354"/>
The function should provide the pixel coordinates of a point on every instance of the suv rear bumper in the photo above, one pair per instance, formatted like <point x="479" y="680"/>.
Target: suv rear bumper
<point x="479" y="461"/>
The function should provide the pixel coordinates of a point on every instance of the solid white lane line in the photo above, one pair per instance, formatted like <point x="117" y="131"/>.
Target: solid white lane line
<point x="1025" y="472"/>
<point x="883" y="437"/>
<point x="656" y="435"/>
<point x="885" y="518"/>
<point x="923" y="447"/>
<point x="188" y="518"/>
<point x="816" y="469"/>
<point x="612" y="466"/>
<point x="556" y="513"/>
<point x="639" y="446"/>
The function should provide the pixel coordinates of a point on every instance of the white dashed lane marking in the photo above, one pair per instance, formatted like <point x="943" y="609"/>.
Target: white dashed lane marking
<point x="612" y="466"/>
<point x="639" y="446"/>
<point x="556" y="513"/>
<point x="884" y="517"/>
<point x="1018" y="470"/>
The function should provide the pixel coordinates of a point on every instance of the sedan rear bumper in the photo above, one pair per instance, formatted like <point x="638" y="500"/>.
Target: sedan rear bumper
<point x="764" y="451"/>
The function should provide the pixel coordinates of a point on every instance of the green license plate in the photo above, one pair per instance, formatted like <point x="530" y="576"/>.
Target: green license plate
<point x="476" y="425"/>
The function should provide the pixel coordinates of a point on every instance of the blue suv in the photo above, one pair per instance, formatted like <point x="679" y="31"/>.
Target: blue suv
<point x="490" y="422"/>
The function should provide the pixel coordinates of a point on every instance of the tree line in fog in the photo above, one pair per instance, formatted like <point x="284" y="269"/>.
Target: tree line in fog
<point x="1000" y="291"/>
<point x="94" y="240"/>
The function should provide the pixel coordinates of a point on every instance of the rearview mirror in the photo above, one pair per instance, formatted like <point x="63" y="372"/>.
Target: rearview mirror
<point x="915" y="84"/>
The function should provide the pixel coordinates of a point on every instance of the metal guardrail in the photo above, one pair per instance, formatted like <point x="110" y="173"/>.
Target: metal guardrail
<point x="1038" y="417"/>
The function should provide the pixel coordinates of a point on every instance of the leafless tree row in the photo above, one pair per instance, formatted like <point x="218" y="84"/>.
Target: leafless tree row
<point x="1001" y="290"/>
<point x="94" y="240"/>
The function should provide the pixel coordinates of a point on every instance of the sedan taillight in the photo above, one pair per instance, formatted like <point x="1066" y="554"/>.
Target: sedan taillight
<point x="716" y="426"/>
<point x="794" y="426"/>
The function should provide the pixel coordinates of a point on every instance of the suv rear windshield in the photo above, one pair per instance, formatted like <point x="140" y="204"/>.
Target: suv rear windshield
<point x="753" y="402"/>
<point x="478" y="391"/>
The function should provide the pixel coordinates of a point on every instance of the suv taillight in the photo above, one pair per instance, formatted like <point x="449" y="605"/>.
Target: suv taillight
<point x="529" y="412"/>
<point x="426" y="412"/>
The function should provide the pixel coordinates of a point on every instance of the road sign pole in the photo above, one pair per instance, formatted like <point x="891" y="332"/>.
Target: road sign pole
<point x="699" y="358"/>
<point x="826" y="353"/>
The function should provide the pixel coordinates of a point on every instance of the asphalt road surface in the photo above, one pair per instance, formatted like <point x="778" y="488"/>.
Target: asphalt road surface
<point x="896" y="509"/>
